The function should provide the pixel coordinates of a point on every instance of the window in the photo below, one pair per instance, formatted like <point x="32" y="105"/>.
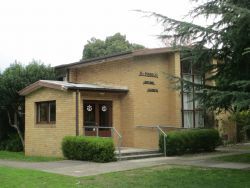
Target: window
<point x="192" y="113"/>
<point x="46" y="112"/>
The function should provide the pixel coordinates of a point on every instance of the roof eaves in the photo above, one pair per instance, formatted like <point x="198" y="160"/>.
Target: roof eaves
<point x="29" y="87"/>
<point x="116" y="90"/>
<point x="38" y="85"/>
<point x="43" y="83"/>
<point x="93" y="60"/>
<point x="118" y="56"/>
<point x="154" y="51"/>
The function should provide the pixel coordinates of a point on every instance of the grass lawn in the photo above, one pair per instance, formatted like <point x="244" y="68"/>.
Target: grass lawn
<point x="242" y="147"/>
<point x="240" y="158"/>
<point x="19" y="156"/>
<point x="161" y="176"/>
<point x="239" y="146"/>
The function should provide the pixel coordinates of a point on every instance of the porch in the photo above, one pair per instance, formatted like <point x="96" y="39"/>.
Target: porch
<point x="129" y="153"/>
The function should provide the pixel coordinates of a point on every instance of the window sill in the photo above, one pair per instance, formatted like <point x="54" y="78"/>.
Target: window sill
<point x="45" y="125"/>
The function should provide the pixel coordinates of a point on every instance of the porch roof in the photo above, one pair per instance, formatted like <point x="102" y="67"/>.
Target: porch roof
<point x="62" y="85"/>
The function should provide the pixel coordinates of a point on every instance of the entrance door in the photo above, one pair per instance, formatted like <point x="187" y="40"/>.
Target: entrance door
<point x="97" y="114"/>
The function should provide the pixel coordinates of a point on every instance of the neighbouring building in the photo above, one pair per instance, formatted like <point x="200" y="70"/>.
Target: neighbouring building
<point x="130" y="92"/>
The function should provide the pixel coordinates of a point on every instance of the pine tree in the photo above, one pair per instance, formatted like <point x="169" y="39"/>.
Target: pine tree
<point x="227" y="40"/>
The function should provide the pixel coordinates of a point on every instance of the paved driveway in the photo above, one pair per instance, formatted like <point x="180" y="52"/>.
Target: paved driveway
<point x="82" y="168"/>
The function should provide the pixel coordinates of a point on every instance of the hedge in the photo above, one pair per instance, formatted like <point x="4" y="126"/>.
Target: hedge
<point x="12" y="143"/>
<point x="190" y="141"/>
<point x="88" y="148"/>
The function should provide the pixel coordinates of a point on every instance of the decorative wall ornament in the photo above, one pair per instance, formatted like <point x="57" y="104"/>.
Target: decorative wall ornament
<point x="104" y="108"/>
<point x="89" y="108"/>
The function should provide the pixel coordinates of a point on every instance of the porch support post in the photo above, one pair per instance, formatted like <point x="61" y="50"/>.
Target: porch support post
<point x="77" y="113"/>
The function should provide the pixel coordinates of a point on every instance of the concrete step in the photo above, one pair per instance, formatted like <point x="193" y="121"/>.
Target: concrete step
<point x="137" y="152"/>
<point x="128" y="153"/>
<point x="139" y="156"/>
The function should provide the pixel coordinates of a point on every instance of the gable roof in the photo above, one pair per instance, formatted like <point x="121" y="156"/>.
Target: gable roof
<point x="61" y="85"/>
<point x="119" y="56"/>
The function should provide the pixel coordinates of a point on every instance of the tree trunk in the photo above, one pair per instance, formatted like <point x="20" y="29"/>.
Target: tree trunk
<point x="15" y="125"/>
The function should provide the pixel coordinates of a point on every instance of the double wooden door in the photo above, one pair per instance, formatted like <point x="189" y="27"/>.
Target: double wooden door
<point x="97" y="118"/>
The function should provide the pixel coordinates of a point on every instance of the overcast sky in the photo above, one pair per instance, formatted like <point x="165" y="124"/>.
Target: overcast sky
<point x="55" y="31"/>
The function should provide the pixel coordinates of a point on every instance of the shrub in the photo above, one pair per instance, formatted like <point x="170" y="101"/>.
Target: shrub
<point x="88" y="148"/>
<point x="248" y="133"/>
<point x="243" y="124"/>
<point x="2" y="144"/>
<point x="12" y="143"/>
<point x="190" y="141"/>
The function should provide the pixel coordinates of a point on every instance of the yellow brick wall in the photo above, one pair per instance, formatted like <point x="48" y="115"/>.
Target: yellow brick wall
<point x="152" y="109"/>
<point x="139" y="107"/>
<point x="45" y="139"/>
<point x="116" y="115"/>
<point x="114" y="73"/>
<point x="72" y="75"/>
<point x="226" y="127"/>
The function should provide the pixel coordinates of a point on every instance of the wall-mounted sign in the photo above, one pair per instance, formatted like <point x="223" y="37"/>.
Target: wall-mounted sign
<point x="149" y="82"/>
<point x="152" y="90"/>
<point x="148" y="74"/>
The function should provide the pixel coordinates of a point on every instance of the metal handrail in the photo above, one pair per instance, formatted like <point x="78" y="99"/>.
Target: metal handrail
<point x="114" y="130"/>
<point x="166" y="126"/>
<point x="160" y="131"/>
<point x="119" y="141"/>
<point x="155" y="126"/>
<point x="164" y="138"/>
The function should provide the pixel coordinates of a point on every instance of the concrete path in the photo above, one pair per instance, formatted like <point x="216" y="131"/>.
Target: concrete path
<point x="81" y="168"/>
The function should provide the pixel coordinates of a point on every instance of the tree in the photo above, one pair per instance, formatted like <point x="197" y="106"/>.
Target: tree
<point x="112" y="45"/>
<point x="227" y="40"/>
<point x="12" y="80"/>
